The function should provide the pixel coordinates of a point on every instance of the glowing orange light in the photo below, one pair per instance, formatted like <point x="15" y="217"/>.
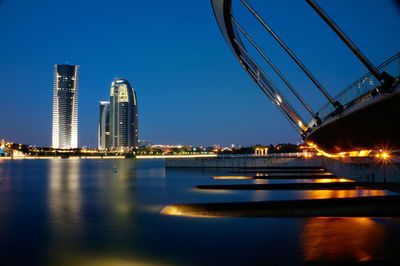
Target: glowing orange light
<point x="331" y="180"/>
<point x="383" y="155"/>
<point x="187" y="211"/>
<point x="233" y="177"/>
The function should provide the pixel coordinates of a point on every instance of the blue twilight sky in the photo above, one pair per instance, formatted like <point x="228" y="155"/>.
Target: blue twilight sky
<point x="190" y="87"/>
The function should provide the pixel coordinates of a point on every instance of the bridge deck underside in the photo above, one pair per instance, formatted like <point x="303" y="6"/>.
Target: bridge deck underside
<point x="372" y="126"/>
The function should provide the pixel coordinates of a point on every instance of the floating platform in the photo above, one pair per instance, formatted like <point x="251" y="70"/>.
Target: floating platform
<point x="348" y="185"/>
<point x="289" y="171"/>
<point x="266" y="177"/>
<point x="375" y="206"/>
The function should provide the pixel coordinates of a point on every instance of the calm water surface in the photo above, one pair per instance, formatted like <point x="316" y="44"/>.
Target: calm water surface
<point x="82" y="212"/>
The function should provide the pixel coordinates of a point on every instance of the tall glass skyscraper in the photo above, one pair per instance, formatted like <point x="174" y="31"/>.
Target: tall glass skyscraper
<point x="104" y="126"/>
<point x="123" y="115"/>
<point x="65" y="107"/>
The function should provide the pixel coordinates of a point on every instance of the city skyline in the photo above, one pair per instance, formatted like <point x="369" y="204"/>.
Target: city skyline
<point x="192" y="89"/>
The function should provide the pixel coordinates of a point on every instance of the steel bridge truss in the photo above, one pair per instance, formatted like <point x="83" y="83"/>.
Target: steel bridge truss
<point x="232" y="31"/>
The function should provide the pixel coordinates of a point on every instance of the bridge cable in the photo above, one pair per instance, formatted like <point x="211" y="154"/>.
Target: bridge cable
<point x="274" y="68"/>
<point x="379" y="76"/>
<point x="278" y="95"/>
<point x="274" y="101"/>
<point x="291" y="54"/>
<point x="294" y="115"/>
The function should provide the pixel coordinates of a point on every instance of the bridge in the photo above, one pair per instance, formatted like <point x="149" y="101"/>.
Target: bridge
<point x="363" y="117"/>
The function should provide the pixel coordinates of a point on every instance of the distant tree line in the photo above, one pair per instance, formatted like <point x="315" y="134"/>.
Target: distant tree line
<point x="280" y="148"/>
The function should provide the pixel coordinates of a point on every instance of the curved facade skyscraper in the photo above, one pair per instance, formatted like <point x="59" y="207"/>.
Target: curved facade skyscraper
<point x="65" y="107"/>
<point x="104" y="126"/>
<point x="123" y="115"/>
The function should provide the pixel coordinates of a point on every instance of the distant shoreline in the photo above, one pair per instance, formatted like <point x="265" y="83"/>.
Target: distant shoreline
<point x="109" y="157"/>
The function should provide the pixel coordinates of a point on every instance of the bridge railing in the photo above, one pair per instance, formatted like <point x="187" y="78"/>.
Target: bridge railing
<point x="283" y="154"/>
<point x="360" y="90"/>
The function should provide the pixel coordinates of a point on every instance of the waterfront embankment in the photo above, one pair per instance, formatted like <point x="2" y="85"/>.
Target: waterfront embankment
<point x="365" y="169"/>
<point x="243" y="162"/>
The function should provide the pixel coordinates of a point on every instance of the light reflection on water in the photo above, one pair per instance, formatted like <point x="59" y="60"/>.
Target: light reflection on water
<point x="95" y="259"/>
<point x="95" y="206"/>
<point x="336" y="194"/>
<point x="81" y="212"/>
<point x="343" y="239"/>
<point x="64" y="196"/>
<point x="260" y="195"/>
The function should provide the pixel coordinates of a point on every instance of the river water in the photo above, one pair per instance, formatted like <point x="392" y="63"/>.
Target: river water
<point x="107" y="212"/>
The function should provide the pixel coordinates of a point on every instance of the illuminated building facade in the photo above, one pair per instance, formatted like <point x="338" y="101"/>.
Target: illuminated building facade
<point x="65" y="107"/>
<point x="104" y="126"/>
<point x="123" y="115"/>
